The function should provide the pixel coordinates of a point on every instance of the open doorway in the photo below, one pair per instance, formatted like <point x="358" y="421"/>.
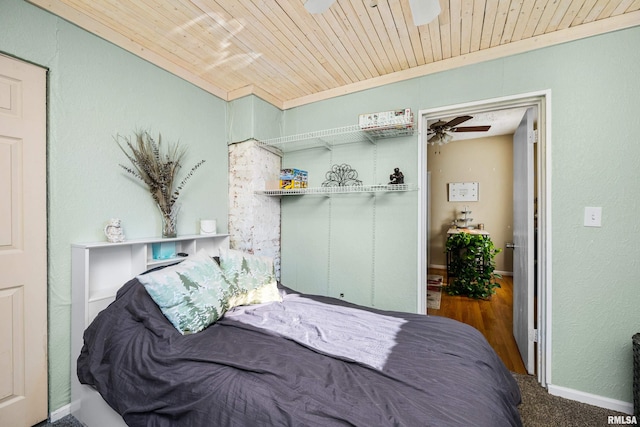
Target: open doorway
<point x="535" y="331"/>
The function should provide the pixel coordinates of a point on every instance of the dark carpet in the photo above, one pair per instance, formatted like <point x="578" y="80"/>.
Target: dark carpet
<point x="541" y="409"/>
<point x="68" y="421"/>
<point x="538" y="409"/>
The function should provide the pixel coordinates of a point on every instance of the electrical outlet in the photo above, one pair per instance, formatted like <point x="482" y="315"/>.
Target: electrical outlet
<point x="592" y="216"/>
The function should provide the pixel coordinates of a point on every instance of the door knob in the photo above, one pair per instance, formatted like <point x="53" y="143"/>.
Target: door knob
<point x="510" y="245"/>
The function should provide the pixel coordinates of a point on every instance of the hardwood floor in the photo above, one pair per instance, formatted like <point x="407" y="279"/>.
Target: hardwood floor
<point x="492" y="317"/>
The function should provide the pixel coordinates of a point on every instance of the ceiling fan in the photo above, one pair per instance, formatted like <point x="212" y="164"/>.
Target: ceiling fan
<point x="423" y="11"/>
<point x="441" y="130"/>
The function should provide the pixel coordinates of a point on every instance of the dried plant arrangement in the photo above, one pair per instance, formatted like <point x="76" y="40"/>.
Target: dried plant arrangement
<point x="157" y="165"/>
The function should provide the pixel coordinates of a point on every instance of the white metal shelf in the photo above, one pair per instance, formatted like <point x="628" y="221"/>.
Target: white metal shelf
<point x="330" y="137"/>
<point x="328" y="191"/>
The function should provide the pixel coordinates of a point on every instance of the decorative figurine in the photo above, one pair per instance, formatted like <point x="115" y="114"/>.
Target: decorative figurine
<point x="396" y="177"/>
<point x="113" y="231"/>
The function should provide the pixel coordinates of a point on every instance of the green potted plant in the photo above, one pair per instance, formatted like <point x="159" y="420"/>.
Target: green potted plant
<point x="472" y="265"/>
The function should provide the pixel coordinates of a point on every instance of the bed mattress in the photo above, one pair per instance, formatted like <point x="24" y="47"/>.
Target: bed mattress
<point x="295" y="363"/>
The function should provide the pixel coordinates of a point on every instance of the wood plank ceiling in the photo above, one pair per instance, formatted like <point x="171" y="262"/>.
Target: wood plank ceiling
<point x="278" y="51"/>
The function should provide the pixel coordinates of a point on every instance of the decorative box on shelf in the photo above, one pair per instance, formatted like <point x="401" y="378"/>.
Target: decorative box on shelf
<point x="387" y="123"/>
<point x="293" y="178"/>
<point x="163" y="250"/>
<point x="386" y="119"/>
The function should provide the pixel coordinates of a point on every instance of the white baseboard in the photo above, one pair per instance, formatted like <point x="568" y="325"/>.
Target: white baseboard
<point x="60" y="413"/>
<point x="591" y="399"/>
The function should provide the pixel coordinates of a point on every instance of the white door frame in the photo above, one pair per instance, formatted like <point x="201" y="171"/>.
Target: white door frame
<point x="542" y="101"/>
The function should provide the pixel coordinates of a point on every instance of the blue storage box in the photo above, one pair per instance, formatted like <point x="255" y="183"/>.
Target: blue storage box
<point x="163" y="250"/>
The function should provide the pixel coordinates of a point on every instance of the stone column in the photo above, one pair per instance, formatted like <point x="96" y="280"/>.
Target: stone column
<point x="254" y="221"/>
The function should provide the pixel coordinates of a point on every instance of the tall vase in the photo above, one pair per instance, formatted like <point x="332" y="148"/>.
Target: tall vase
<point x="170" y="222"/>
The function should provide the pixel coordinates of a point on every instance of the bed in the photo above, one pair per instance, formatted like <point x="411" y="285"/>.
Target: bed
<point x="297" y="360"/>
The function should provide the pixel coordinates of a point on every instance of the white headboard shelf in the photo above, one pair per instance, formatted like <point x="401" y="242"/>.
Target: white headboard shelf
<point x="98" y="270"/>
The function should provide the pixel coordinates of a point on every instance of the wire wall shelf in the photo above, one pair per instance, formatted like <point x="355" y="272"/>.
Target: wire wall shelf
<point x="328" y="191"/>
<point x="330" y="137"/>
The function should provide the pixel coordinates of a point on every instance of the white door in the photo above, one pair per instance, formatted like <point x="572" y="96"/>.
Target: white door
<point x="523" y="232"/>
<point x="23" y="244"/>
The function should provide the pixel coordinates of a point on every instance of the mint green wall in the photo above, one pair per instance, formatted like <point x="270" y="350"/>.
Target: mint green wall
<point x="96" y="91"/>
<point x="250" y="117"/>
<point x="595" y="159"/>
<point x="360" y="245"/>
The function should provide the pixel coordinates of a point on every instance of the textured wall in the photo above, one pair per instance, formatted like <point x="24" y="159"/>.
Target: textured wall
<point x="360" y="247"/>
<point x="251" y="117"/>
<point x="593" y="271"/>
<point x="95" y="91"/>
<point x="254" y="221"/>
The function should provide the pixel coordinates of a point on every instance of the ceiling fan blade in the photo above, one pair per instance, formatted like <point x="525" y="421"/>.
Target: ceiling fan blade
<point x="437" y="125"/>
<point x="317" y="6"/>
<point x="471" y="129"/>
<point x="457" y="121"/>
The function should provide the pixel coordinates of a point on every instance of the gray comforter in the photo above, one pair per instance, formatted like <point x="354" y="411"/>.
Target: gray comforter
<point x="308" y="361"/>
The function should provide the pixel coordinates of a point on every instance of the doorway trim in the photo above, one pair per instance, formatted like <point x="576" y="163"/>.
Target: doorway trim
<point x="542" y="101"/>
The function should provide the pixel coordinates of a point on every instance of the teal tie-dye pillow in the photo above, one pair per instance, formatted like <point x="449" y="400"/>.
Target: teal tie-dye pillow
<point x="252" y="278"/>
<point x="192" y="295"/>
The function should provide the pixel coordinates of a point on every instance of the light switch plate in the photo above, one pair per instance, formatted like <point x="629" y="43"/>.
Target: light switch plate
<point x="592" y="216"/>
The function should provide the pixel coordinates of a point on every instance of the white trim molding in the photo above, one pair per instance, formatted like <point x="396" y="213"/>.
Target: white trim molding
<point x="60" y="413"/>
<point x="591" y="399"/>
<point x="542" y="101"/>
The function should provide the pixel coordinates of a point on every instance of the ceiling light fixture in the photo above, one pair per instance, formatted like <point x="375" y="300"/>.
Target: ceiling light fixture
<point x="440" y="139"/>
<point x="424" y="11"/>
<point x="317" y="6"/>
